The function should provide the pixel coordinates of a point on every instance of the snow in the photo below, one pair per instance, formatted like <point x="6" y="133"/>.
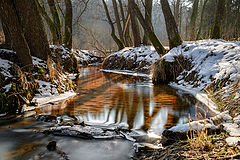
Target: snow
<point x="195" y="125"/>
<point x="218" y="59"/>
<point x="7" y="87"/>
<point x="233" y="140"/>
<point x="39" y="63"/>
<point x="5" y="66"/>
<point x="232" y="129"/>
<point x="46" y="89"/>
<point x="146" y="53"/>
<point x="53" y="98"/>
<point x="126" y="72"/>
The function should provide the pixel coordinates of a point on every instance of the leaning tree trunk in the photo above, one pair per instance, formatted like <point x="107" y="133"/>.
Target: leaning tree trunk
<point x="171" y="26"/>
<point x="56" y="20"/>
<point x="33" y="28"/>
<point x="193" y="20"/>
<point x="118" y="22"/>
<point x="219" y="15"/>
<point x="148" y="29"/>
<point x="10" y="18"/>
<point x="135" y="26"/>
<point x="115" y="38"/>
<point x="68" y="24"/>
<point x="148" y="18"/>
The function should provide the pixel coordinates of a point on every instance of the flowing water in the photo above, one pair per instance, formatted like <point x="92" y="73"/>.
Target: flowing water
<point x="103" y="99"/>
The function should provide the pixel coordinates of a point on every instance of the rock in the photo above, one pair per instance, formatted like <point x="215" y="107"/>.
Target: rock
<point x="170" y="137"/>
<point x="52" y="145"/>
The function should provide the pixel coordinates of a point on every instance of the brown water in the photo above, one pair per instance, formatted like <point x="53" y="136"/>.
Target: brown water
<point x="104" y="99"/>
<point x="108" y="98"/>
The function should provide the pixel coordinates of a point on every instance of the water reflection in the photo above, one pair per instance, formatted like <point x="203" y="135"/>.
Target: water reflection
<point x="107" y="98"/>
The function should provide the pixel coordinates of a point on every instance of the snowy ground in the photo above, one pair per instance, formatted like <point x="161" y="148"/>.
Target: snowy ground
<point x="134" y="59"/>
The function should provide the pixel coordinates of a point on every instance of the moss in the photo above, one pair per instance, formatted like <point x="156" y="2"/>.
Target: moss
<point x="156" y="43"/>
<point x="215" y="32"/>
<point x="176" y="41"/>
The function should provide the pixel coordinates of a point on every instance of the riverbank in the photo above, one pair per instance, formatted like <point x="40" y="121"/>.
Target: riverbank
<point x="47" y="82"/>
<point x="211" y="74"/>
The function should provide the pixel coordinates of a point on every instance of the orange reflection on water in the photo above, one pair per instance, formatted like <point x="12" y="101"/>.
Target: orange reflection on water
<point x="113" y="98"/>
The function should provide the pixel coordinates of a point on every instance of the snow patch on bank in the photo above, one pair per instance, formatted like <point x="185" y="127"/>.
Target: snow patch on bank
<point x="211" y="60"/>
<point x="5" y="66"/>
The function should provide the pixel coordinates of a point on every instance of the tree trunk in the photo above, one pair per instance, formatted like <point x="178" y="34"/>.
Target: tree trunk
<point x="115" y="38"/>
<point x="118" y="22"/>
<point x="177" y="12"/>
<point x="126" y="34"/>
<point x="193" y="20"/>
<point x="68" y="24"/>
<point x="219" y="15"/>
<point x="33" y="28"/>
<point x="148" y="29"/>
<point x="135" y="27"/>
<point x="148" y="18"/>
<point x="7" y="36"/>
<point x="10" y="18"/>
<point x="49" y="21"/>
<point x="171" y="26"/>
<point x="201" y="20"/>
<point x="56" y="20"/>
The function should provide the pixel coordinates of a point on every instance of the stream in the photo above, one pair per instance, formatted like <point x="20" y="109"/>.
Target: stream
<point x="103" y="100"/>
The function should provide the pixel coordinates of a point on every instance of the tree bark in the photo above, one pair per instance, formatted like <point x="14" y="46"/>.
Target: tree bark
<point x="7" y="36"/>
<point x="219" y="16"/>
<point x="148" y="29"/>
<point x="68" y="24"/>
<point x="177" y="12"/>
<point x="115" y="38"/>
<point x="148" y="18"/>
<point x="118" y="22"/>
<point x="201" y="20"/>
<point x="49" y="21"/>
<point x="135" y="26"/>
<point x="10" y="18"/>
<point x="171" y="26"/>
<point x="56" y="20"/>
<point x="193" y="20"/>
<point x="126" y="34"/>
<point x="33" y="28"/>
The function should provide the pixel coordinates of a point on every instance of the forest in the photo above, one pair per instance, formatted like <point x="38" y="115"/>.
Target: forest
<point x="119" y="79"/>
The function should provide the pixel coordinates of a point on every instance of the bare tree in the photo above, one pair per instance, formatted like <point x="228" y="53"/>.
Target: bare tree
<point x="219" y="15"/>
<point x="118" y="22"/>
<point x="68" y="24"/>
<point x="33" y="28"/>
<point x="135" y="26"/>
<point x="193" y="20"/>
<point x="171" y="26"/>
<point x="148" y="29"/>
<point x="10" y="18"/>
<point x="115" y="38"/>
<point x="148" y="18"/>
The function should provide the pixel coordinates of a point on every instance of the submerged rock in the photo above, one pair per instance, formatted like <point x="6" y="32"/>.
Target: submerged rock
<point x="52" y="145"/>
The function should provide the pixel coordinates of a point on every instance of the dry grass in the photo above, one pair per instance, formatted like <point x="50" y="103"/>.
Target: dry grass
<point x="199" y="139"/>
<point x="165" y="72"/>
